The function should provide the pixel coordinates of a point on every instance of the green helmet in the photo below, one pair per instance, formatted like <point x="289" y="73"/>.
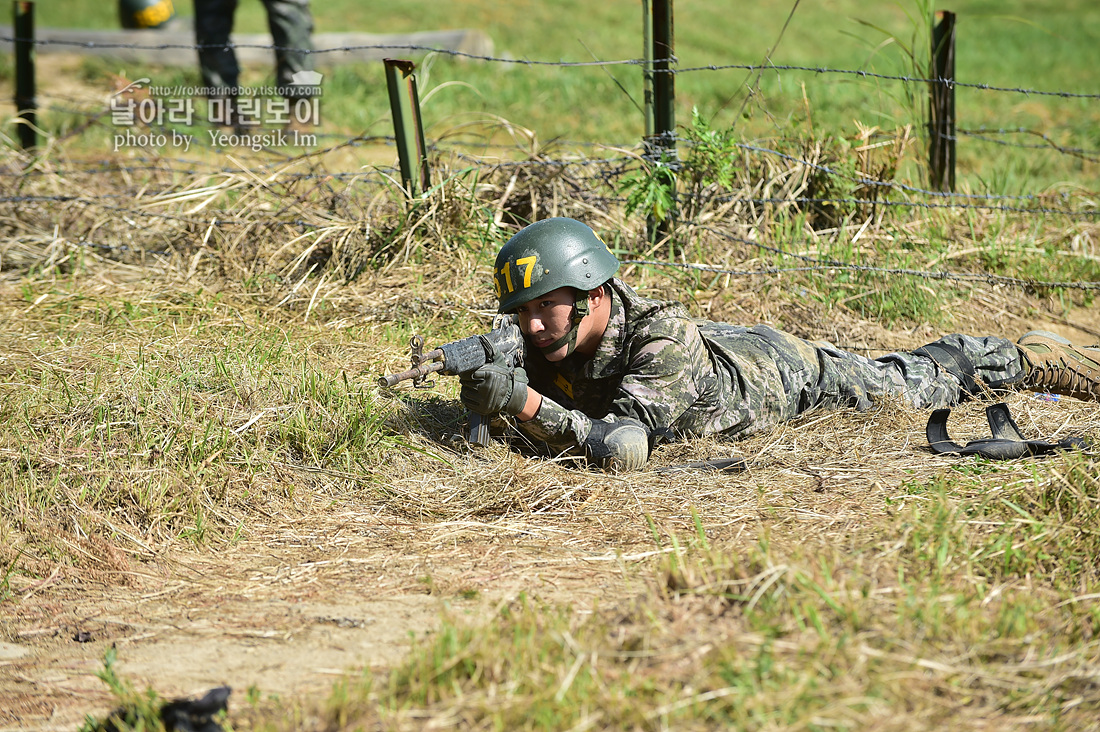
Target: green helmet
<point x="134" y="14"/>
<point x="549" y="254"/>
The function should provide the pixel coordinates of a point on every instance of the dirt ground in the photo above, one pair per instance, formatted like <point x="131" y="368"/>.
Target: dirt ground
<point x="287" y="620"/>
<point x="328" y="588"/>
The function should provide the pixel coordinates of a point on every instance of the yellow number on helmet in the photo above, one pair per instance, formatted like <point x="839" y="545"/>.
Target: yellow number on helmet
<point x="528" y="264"/>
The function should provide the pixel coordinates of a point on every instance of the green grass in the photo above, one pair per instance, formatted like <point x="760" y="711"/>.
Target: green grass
<point x="136" y="710"/>
<point x="178" y="405"/>
<point x="942" y="607"/>
<point x="154" y="434"/>
<point x="1052" y="47"/>
<point x="164" y="413"/>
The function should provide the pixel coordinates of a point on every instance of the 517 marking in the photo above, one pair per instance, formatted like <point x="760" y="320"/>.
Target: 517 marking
<point x="527" y="264"/>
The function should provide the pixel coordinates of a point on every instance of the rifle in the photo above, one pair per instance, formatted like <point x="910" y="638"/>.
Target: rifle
<point x="502" y="345"/>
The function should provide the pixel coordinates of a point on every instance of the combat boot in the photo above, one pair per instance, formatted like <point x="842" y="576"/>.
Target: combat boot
<point x="1055" y="365"/>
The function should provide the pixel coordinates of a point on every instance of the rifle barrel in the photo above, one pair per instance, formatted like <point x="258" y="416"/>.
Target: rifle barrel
<point x="428" y="367"/>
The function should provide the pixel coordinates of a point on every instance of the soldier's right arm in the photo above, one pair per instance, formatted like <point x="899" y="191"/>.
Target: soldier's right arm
<point x="659" y="386"/>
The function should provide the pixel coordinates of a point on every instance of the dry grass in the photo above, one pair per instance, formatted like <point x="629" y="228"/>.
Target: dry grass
<point x="189" y="409"/>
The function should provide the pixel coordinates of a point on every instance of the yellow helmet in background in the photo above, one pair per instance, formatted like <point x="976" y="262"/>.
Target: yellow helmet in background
<point x="138" y="14"/>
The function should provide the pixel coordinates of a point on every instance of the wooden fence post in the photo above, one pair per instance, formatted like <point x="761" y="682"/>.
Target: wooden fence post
<point x="412" y="153"/>
<point x="941" y="106"/>
<point x="25" y="103"/>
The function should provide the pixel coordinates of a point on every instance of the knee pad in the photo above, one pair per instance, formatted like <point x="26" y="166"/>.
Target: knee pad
<point x="619" y="445"/>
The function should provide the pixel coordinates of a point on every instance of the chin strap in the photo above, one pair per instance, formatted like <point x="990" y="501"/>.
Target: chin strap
<point x="580" y="310"/>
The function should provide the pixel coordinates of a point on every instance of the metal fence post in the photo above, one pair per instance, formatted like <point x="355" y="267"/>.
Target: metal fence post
<point x="660" y="96"/>
<point x="405" y="106"/>
<point x="647" y="70"/>
<point x="941" y="105"/>
<point x="25" y="103"/>
<point x="664" y="82"/>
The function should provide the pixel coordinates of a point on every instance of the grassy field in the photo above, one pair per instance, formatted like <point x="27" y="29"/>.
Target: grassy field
<point x="201" y="482"/>
<point x="199" y="465"/>
<point x="1046" y="47"/>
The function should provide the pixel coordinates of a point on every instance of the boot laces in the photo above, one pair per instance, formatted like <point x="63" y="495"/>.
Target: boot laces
<point x="1068" y="377"/>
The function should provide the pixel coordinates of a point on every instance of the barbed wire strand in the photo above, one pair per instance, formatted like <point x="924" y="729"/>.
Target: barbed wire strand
<point x="626" y="161"/>
<point x="26" y="199"/>
<point x="986" y="277"/>
<point x="862" y="73"/>
<point x="814" y="265"/>
<point x="1093" y="156"/>
<point x="826" y="266"/>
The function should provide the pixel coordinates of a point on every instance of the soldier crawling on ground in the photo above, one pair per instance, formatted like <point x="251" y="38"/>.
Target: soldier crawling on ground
<point x="607" y="371"/>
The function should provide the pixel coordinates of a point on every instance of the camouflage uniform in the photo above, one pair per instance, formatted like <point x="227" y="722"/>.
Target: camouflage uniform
<point x="684" y="377"/>
<point x="291" y="26"/>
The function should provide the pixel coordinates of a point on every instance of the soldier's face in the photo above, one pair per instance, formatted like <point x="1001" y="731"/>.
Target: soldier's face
<point x="546" y="319"/>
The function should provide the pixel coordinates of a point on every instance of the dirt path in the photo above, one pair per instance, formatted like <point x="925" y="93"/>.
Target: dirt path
<point x="286" y="622"/>
<point x="191" y="624"/>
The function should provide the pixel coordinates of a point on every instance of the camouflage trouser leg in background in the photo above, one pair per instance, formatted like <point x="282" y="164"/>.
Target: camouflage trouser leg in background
<point x="781" y="376"/>
<point x="291" y="26"/>
<point x="218" y="64"/>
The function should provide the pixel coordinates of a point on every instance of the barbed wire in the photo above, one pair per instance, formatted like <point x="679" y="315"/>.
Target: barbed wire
<point x="187" y="166"/>
<point x="672" y="140"/>
<point x="985" y="277"/>
<point x="800" y="200"/>
<point x="816" y="264"/>
<point x="141" y="213"/>
<point x="757" y="200"/>
<point x="623" y="164"/>
<point x="559" y="143"/>
<point x="813" y="265"/>
<point x="322" y="51"/>
<point x="1093" y="156"/>
<point x="862" y="73"/>
<point x="587" y="162"/>
<point x="913" y="204"/>
<point x="858" y="179"/>
<point x="626" y="163"/>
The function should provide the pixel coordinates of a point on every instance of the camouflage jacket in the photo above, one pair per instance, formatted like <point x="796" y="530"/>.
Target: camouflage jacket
<point x="684" y="377"/>
<point x="653" y="364"/>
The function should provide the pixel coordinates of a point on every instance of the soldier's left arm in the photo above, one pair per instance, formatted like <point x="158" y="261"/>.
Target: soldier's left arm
<point x="666" y="376"/>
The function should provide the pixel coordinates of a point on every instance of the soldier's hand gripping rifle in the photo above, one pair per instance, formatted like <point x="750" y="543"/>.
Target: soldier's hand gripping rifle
<point x="503" y="346"/>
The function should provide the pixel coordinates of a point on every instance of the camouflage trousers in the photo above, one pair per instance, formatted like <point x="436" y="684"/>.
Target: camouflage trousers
<point x="291" y="27"/>
<point x="780" y="376"/>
